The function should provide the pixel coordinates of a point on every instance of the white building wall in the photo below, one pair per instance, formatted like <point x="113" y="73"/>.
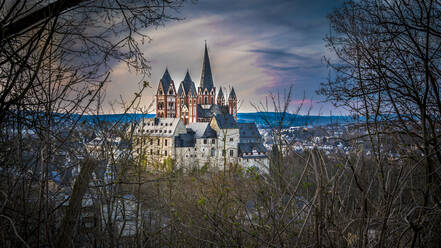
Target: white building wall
<point x="227" y="140"/>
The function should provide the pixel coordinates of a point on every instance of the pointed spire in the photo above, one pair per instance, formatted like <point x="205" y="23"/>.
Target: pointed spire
<point x="220" y="94"/>
<point x="232" y="94"/>
<point x="206" y="77"/>
<point x="166" y="77"/>
<point x="187" y="76"/>
<point x="220" y="98"/>
<point x="187" y="86"/>
<point x="166" y="80"/>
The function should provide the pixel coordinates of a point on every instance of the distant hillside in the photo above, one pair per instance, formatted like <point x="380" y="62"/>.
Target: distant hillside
<point x="260" y="118"/>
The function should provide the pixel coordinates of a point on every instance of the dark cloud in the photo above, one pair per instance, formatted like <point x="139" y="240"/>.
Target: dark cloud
<point x="257" y="46"/>
<point x="278" y="53"/>
<point x="292" y="32"/>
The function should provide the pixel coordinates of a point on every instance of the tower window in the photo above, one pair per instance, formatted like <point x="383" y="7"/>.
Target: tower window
<point x="205" y="100"/>
<point x="231" y="153"/>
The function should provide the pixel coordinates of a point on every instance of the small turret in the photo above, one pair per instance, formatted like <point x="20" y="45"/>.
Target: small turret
<point x="220" y="98"/>
<point x="232" y="103"/>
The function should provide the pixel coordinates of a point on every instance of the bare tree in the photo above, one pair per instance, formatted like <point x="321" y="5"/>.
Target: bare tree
<point x="55" y="58"/>
<point x="387" y="71"/>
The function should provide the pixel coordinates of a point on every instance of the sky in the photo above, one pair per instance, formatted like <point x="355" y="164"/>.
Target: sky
<point x="259" y="47"/>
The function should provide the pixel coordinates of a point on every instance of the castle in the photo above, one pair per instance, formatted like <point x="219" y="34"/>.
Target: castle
<point x="190" y="104"/>
<point x="195" y="128"/>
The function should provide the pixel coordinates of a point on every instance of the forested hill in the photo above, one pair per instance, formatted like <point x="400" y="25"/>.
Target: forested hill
<point x="260" y="118"/>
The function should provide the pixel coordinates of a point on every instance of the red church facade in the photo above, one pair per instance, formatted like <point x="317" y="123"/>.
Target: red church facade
<point x="191" y="104"/>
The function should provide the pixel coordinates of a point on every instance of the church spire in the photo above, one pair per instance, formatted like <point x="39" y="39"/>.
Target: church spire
<point x="206" y="77"/>
<point x="232" y="94"/>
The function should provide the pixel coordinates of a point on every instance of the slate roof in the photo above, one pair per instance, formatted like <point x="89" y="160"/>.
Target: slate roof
<point x="166" y="80"/>
<point x="249" y="147"/>
<point x="220" y="94"/>
<point x="232" y="94"/>
<point x="248" y="130"/>
<point x="185" y="140"/>
<point x="214" y="109"/>
<point x="202" y="130"/>
<point x="164" y="127"/>
<point x="226" y="121"/>
<point x="206" y="77"/>
<point x="187" y="86"/>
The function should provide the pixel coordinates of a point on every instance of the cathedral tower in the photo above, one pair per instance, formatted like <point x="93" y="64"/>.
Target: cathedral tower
<point x="166" y="97"/>
<point x="206" y="90"/>
<point x="187" y="100"/>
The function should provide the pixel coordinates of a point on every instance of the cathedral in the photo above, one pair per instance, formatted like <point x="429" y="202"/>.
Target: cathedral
<point x="191" y="104"/>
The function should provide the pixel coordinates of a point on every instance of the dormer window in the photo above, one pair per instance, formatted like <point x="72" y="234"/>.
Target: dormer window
<point x="160" y="92"/>
<point x="170" y="92"/>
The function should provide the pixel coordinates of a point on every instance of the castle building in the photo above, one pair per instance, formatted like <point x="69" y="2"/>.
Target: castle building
<point x="191" y="104"/>
<point x="196" y="127"/>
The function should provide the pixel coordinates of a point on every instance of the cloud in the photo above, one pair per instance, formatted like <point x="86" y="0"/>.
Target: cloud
<point x="257" y="46"/>
<point x="303" y="102"/>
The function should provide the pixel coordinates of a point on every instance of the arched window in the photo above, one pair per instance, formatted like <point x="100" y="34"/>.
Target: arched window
<point x="205" y="100"/>
<point x="212" y="152"/>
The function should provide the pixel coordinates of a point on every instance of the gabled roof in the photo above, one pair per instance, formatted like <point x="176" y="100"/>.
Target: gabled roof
<point x="225" y="121"/>
<point x="206" y="77"/>
<point x="187" y="86"/>
<point x="220" y="94"/>
<point x="166" y="80"/>
<point x="202" y="130"/>
<point x="164" y="127"/>
<point x="249" y="147"/>
<point x="185" y="140"/>
<point x="248" y="131"/>
<point x="232" y="94"/>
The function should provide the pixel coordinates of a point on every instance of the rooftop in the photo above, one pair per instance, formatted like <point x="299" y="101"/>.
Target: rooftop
<point x="157" y="126"/>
